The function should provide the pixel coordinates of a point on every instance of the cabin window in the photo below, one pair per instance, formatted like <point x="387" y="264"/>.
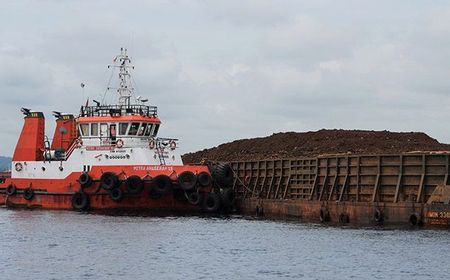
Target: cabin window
<point x="155" y="131"/>
<point x="134" y="129"/>
<point x="104" y="130"/>
<point x="84" y="129"/>
<point x="123" y="127"/>
<point x="142" y="129"/>
<point x="94" y="129"/>
<point x="148" y="131"/>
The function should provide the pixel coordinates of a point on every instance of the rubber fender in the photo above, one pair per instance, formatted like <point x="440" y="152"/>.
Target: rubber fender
<point x="187" y="180"/>
<point x="344" y="218"/>
<point x="116" y="194"/>
<point x="414" y="219"/>
<point x="28" y="193"/>
<point x="109" y="181"/>
<point x="223" y="175"/>
<point x="194" y="198"/>
<point x="11" y="189"/>
<point x="211" y="203"/>
<point x="134" y="184"/>
<point x="80" y="201"/>
<point x="161" y="184"/>
<point x="378" y="216"/>
<point x="324" y="215"/>
<point x="85" y="180"/>
<point x="204" y="179"/>
<point x="228" y="198"/>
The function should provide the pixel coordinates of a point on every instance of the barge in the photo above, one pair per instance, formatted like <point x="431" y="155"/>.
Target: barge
<point x="366" y="190"/>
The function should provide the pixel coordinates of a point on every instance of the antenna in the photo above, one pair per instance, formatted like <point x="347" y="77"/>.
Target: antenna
<point x="125" y="89"/>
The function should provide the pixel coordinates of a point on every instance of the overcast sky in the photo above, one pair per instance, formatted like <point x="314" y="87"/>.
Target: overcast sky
<point x="225" y="70"/>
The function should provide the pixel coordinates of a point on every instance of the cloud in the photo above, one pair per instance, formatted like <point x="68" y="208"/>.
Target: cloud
<point x="234" y="69"/>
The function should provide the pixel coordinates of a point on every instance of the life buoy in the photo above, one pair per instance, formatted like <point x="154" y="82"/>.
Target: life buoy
<point x="28" y="193"/>
<point x="119" y="143"/>
<point x="173" y="145"/>
<point x="78" y="143"/>
<point x="11" y="189"/>
<point x="152" y="144"/>
<point x="18" y="166"/>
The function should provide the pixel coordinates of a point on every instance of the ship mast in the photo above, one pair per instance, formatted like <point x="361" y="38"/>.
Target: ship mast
<point x="125" y="89"/>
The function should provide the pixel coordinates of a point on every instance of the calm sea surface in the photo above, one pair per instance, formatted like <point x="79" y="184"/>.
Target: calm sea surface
<point x="68" y="245"/>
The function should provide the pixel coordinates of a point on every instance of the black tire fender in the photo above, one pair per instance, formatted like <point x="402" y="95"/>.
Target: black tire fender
<point x="116" y="194"/>
<point x="344" y="218"/>
<point x="211" y="203"/>
<point x="204" y="179"/>
<point x="109" y="180"/>
<point x="223" y="175"/>
<point x="414" y="219"/>
<point x="324" y="215"/>
<point x="80" y="201"/>
<point x="11" y="189"/>
<point x="134" y="184"/>
<point x="85" y="180"/>
<point x="28" y="193"/>
<point x="161" y="184"/>
<point x="228" y="198"/>
<point x="378" y="216"/>
<point x="187" y="180"/>
<point x="194" y="198"/>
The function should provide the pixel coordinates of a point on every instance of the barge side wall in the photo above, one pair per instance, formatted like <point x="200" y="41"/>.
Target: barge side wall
<point x="398" y="186"/>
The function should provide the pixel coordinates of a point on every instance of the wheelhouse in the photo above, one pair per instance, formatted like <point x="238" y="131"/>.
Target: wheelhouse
<point x="105" y="125"/>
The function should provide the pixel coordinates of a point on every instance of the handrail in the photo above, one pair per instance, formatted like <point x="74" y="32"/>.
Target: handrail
<point x="118" y="110"/>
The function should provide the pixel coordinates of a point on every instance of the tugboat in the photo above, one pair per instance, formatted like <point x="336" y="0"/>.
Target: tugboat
<point x="109" y="157"/>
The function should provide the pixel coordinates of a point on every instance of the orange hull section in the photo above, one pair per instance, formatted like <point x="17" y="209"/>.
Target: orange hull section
<point x="57" y="194"/>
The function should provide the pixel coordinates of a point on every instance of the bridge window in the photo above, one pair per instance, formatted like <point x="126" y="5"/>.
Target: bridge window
<point x="134" y="129"/>
<point x="84" y="129"/>
<point x="94" y="129"/>
<point x="142" y="129"/>
<point x="155" y="131"/>
<point x="123" y="127"/>
<point x="148" y="131"/>
<point x="104" y="130"/>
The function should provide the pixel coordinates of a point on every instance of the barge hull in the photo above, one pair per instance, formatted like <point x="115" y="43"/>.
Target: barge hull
<point x="410" y="188"/>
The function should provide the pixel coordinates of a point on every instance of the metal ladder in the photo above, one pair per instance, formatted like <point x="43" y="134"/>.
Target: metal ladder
<point x="160" y="151"/>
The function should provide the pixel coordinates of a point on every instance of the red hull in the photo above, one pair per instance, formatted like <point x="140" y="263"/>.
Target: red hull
<point x="58" y="194"/>
<point x="100" y="201"/>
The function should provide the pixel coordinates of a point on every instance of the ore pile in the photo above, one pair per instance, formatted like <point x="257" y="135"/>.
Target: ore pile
<point x="322" y="142"/>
